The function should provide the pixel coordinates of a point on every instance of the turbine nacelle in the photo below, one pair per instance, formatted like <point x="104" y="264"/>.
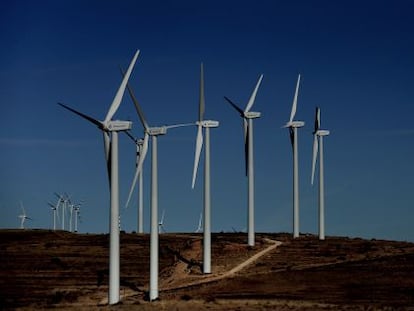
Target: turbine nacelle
<point x="116" y="126"/>
<point x="252" y="115"/>
<point x="322" y="132"/>
<point x="155" y="131"/>
<point x="208" y="123"/>
<point x="295" y="124"/>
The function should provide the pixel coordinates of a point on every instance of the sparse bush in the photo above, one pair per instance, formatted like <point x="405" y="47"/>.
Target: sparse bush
<point x="210" y="298"/>
<point x="186" y="297"/>
<point x="57" y="297"/>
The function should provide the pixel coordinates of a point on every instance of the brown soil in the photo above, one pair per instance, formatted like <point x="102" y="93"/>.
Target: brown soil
<point x="46" y="269"/>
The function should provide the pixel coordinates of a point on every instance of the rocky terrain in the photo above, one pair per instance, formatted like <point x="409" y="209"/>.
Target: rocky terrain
<point x="47" y="269"/>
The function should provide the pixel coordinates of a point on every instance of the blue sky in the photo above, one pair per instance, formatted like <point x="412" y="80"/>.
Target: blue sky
<point x="356" y="61"/>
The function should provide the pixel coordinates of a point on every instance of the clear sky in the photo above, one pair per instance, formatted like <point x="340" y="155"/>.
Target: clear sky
<point x="356" y="61"/>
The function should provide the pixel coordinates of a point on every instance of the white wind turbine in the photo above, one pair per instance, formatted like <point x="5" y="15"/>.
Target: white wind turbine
<point x="248" y="117"/>
<point x="200" y="224"/>
<point x="139" y="144"/>
<point x="110" y="129"/>
<point x="71" y="209"/>
<point x="206" y="124"/>
<point x="61" y="203"/>
<point x="54" y="209"/>
<point x="77" y="215"/>
<point x="154" y="132"/>
<point x="318" y="134"/>
<point x="161" y="228"/>
<point x="23" y="216"/>
<point x="293" y="131"/>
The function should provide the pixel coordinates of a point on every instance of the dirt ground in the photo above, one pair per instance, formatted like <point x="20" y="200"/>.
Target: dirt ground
<point x="46" y="269"/>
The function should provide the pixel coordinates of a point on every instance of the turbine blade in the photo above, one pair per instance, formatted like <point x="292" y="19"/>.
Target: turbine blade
<point x="317" y="119"/>
<point x="90" y="119"/>
<point x="238" y="109"/>
<point x="130" y="136"/>
<point x="314" y="156"/>
<point x="179" y="125"/>
<point x="253" y="96"/>
<point x="200" y="220"/>
<point x="107" y="150"/>
<point x="120" y="93"/>
<point x="136" y="104"/>
<point x="202" y="98"/>
<point x="295" y="101"/>
<point x="292" y="136"/>
<point x="200" y="223"/>
<point x="199" y="146"/>
<point x="22" y="208"/>
<point x="139" y="168"/>
<point x="162" y="217"/>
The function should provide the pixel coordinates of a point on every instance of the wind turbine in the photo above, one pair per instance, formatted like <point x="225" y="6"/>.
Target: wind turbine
<point x="77" y="215"/>
<point x="248" y="117"/>
<point x="139" y="144"/>
<point x="200" y="224"/>
<point x="23" y="216"/>
<point x="206" y="124"/>
<point x="152" y="132"/>
<point x="62" y="204"/>
<point x="293" y="131"/>
<point x="71" y="207"/>
<point x="54" y="211"/>
<point x="161" y="223"/>
<point x="110" y="129"/>
<point x="318" y="134"/>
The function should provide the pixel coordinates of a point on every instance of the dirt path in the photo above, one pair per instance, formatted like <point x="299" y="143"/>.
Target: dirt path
<point x="207" y="278"/>
<point x="230" y="273"/>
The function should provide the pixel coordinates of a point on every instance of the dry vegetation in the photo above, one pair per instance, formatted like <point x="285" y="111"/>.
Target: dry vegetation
<point x="42" y="269"/>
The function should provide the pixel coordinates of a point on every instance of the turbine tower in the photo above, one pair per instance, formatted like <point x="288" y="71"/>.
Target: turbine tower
<point x="77" y="216"/>
<point x="110" y="129"/>
<point x="248" y="117"/>
<point x="318" y="134"/>
<point x="293" y="131"/>
<point x="206" y="124"/>
<point x="154" y="132"/>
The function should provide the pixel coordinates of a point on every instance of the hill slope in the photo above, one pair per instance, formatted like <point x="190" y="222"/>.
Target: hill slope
<point x="42" y="268"/>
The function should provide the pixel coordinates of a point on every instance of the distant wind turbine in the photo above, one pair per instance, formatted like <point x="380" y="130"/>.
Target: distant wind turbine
<point x="54" y="212"/>
<point x="110" y="129"/>
<point x="200" y="224"/>
<point x="161" y="228"/>
<point x="318" y="134"/>
<point x="293" y="132"/>
<point x="61" y="203"/>
<point x="206" y="124"/>
<point x="139" y="144"/>
<point x="23" y="216"/>
<point x="248" y="117"/>
<point x="152" y="132"/>
<point x="77" y="216"/>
